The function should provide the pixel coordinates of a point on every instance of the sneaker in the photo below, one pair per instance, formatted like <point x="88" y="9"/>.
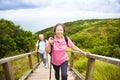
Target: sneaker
<point x="46" y="66"/>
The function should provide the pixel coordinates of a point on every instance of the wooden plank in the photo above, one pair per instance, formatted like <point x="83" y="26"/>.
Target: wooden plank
<point x="114" y="61"/>
<point x="29" y="72"/>
<point x="4" y="60"/>
<point x="42" y="73"/>
<point x="38" y="57"/>
<point x="30" y="61"/>
<point x="8" y="71"/>
<point x="90" y="69"/>
<point x="71" y="60"/>
<point x="77" y="52"/>
<point x="78" y="74"/>
<point x="26" y="75"/>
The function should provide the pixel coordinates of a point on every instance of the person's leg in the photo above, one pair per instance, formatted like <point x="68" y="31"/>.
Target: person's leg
<point x="64" y="70"/>
<point x="44" y="59"/>
<point x="47" y="65"/>
<point x="57" y="70"/>
<point x="41" y="57"/>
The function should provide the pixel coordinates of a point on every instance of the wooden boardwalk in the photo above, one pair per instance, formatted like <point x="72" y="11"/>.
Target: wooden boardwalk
<point x="42" y="73"/>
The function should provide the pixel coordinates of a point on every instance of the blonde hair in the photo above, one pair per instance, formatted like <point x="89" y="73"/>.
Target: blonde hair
<point x="41" y="35"/>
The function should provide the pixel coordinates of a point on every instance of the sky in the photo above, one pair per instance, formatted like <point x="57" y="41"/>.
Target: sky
<point x="35" y="15"/>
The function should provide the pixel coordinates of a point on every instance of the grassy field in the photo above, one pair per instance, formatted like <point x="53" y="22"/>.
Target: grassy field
<point x="102" y="70"/>
<point x="20" y="66"/>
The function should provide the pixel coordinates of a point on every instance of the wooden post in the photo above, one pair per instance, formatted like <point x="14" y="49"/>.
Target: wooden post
<point x="71" y="60"/>
<point x="90" y="69"/>
<point x="8" y="71"/>
<point x="30" y="61"/>
<point x="38" y="57"/>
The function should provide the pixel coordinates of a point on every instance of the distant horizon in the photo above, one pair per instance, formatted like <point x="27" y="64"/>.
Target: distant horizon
<point x="56" y="23"/>
<point x="63" y="22"/>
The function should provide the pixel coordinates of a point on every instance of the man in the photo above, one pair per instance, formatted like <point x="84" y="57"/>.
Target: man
<point x="40" y="47"/>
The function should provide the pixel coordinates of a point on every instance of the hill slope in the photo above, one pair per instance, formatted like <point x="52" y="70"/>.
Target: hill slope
<point x="13" y="39"/>
<point x="99" y="36"/>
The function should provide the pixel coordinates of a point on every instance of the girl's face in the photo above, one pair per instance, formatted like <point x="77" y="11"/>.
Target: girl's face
<point x="59" y="31"/>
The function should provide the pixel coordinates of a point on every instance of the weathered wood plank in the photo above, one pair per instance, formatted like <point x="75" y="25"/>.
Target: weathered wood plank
<point x="42" y="73"/>
<point x="4" y="60"/>
<point x="90" y="69"/>
<point x="114" y="61"/>
<point x="29" y="72"/>
<point x="81" y="77"/>
<point x="92" y="57"/>
<point x="30" y="61"/>
<point x="71" y="60"/>
<point x="8" y="71"/>
<point x="38" y="57"/>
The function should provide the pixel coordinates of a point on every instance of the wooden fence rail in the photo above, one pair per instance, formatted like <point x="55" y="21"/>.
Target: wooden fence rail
<point x="90" y="64"/>
<point x="6" y="63"/>
<point x="7" y="67"/>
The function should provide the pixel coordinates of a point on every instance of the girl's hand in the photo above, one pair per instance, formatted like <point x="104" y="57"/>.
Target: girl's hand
<point x="86" y="53"/>
<point x="51" y="41"/>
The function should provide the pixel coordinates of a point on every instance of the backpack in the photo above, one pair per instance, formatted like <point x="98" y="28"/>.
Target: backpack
<point x="40" y="41"/>
<point x="66" y="40"/>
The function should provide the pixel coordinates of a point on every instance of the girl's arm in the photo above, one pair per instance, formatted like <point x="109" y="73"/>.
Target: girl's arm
<point x="48" y="45"/>
<point x="78" y="49"/>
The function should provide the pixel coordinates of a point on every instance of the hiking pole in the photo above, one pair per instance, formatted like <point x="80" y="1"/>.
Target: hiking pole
<point x="51" y="59"/>
<point x="50" y="67"/>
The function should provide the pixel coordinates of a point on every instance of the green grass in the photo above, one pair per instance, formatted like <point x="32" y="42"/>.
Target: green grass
<point x="106" y="71"/>
<point x="102" y="70"/>
<point x="2" y="77"/>
<point x="19" y="66"/>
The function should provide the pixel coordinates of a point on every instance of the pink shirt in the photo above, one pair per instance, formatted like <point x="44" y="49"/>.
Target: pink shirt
<point x="59" y="54"/>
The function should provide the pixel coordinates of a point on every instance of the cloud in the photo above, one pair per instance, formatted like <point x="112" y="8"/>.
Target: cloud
<point x="35" y="15"/>
<point x="89" y="5"/>
<point x="40" y="18"/>
<point x="14" y="4"/>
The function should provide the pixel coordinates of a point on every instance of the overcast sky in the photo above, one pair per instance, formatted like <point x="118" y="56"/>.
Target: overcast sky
<point x="35" y="15"/>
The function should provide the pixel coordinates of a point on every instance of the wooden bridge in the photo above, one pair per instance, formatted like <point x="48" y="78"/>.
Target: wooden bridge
<point x="38" y="72"/>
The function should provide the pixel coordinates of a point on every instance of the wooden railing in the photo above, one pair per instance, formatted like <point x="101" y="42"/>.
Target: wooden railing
<point x="90" y="64"/>
<point x="6" y="63"/>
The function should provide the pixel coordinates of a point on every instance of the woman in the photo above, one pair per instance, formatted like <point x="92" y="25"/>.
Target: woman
<point x="59" y="55"/>
<point x="40" y="48"/>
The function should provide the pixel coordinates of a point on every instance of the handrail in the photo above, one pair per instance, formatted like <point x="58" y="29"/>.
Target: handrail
<point x="7" y="67"/>
<point x="6" y="63"/>
<point x="4" y="60"/>
<point x="90" y="64"/>
<point x="114" y="61"/>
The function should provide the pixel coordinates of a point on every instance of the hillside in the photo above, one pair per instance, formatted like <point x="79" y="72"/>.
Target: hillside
<point x="13" y="39"/>
<point x="99" y="36"/>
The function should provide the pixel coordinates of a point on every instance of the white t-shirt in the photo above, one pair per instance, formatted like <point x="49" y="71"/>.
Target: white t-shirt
<point x="41" y="46"/>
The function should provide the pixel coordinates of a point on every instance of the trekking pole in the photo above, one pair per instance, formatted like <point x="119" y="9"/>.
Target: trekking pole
<point x="51" y="60"/>
<point x="50" y="67"/>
